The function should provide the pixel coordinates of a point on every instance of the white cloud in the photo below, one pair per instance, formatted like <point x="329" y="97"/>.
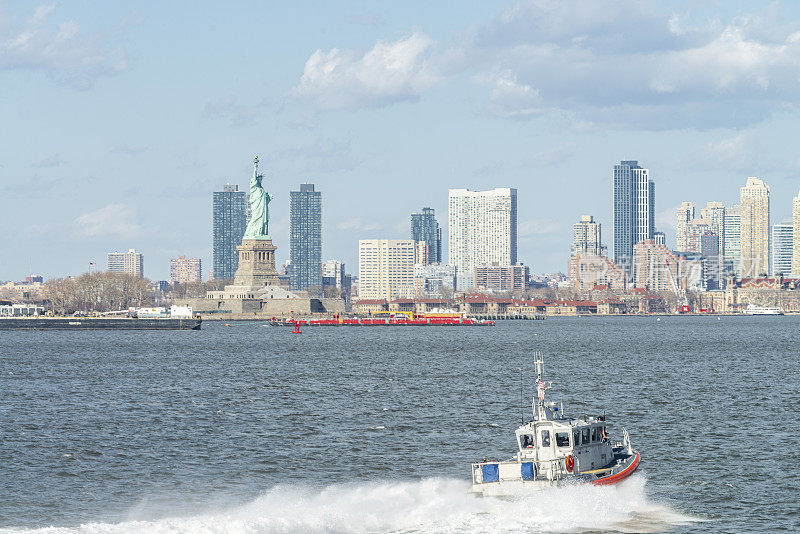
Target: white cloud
<point x="512" y="99"/>
<point x="114" y="220"/>
<point x="659" y="73"/>
<point x="390" y="72"/>
<point x="736" y="153"/>
<point x="60" y="50"/>
<point x="358" y="224"/>
<point x="539" y="227"/>
<point x="668" y="219"/>
<point x="604" y="63"/>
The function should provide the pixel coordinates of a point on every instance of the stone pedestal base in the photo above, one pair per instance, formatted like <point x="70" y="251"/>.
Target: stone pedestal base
<point x="256" y="264"/>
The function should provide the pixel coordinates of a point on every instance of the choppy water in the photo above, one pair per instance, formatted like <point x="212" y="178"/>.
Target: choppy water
<point x="253" y="429"/>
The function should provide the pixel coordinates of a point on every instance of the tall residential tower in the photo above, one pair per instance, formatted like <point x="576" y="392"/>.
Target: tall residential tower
<point x="229" y="225"/>
<point x="130" y="262"/>
<point x="754" y="254"/>
<point x="482" y="230"/>
<point x="634" y="210"/>
<point x="425" y="227"/>
<point x="305" y="232"/>
<point x="782" y="239"/>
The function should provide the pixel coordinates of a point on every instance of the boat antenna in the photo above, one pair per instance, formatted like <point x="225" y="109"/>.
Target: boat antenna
<point x="541" y="387"/>
<point x="521" y="398"/>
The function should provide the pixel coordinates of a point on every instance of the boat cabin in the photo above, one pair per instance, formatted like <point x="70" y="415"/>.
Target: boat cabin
<point x="556" y="438"/>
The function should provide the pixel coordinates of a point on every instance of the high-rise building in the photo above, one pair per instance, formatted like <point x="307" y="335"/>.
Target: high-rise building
<point x="714" y="212"/>
<point x="425" y="227"/>
<point x="501" y="278"/>
<point x="587" y="237"/>
<point x="656" y="266"/>
<point x="334" y="270"/>
<point x="385" y="268"/>
<point x="185" y="270"/>
<point x="482" y="230"/>
<point x="229" y="225"/>
<point x="684" y="215"/>
<point x="796" y="236"/>
<point x="130" y="262"/>
<point x="732" y="239"/>
<point x="712" y="261"/>
<point x="782" y="248"/>
<point x="634" y="210"/>
<point x="305" y="233"/>
<point x="660" y="238"/>
<point x="754" y="253"/>
<point x="421" y="253"/>
<point x="434" y="280"/>
<point x="696" y="229"/>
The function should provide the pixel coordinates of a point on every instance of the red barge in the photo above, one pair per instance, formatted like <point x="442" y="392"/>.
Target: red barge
<point x="392" y="319"/>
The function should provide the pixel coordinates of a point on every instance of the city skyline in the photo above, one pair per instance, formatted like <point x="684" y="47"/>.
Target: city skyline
<point x="95" y="185"/>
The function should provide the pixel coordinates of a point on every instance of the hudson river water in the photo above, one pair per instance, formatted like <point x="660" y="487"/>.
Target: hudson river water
<point x="252" y="429"/>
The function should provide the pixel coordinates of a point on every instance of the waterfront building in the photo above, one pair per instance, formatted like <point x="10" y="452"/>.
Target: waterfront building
<point x="229" y="224"/>
<point x="796" y="236"/>
<point x="685" y="213"/>
<point x="425" y="228"/>
<point x="782" y="248"/>
<point x="185" y="270"/>
<point x="634" y="210"/>
<point x="482" y="230"/>
<point x="755" y="225"/>
<point x="385" y="268"/>
<point x="434" y="280"/>
<point x="130" y="262"/>
<point x="497" y="277"/>
<point x="587" y="237"/>
<point x="731" y="242"/>
<point x="305" y="235"/>
<point x="714" y="213"/>
<point x="586" y="271"/>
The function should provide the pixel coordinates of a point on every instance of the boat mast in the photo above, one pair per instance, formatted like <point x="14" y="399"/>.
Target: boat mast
<point x="541" y="387"/>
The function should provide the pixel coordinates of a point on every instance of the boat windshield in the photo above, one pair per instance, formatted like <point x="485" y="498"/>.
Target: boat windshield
<point x="545" y="438"/>
<point x="526" y="441"/>
<point x="562" y="439"/>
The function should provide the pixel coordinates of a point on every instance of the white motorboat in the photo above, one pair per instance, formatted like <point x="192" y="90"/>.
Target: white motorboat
<point x="554" y="449"/>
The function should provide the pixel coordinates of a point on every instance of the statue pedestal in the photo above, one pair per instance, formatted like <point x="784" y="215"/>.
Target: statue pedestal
<point x="256" y="264"/>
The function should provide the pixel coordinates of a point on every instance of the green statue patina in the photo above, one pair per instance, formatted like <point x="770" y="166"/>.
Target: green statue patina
<point x="258" y="227"/>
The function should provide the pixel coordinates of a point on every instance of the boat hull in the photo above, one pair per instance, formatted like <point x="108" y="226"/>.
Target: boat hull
<point x="514" y="487"/>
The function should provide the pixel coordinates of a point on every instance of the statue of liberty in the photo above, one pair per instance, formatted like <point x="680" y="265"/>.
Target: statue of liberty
<point x="258" y="227"/>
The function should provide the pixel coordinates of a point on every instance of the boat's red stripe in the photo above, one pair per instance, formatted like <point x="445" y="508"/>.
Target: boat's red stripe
<point x="619" y="477"/>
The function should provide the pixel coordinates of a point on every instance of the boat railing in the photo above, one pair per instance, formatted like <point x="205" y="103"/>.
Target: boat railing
<point x="518" y="470"/>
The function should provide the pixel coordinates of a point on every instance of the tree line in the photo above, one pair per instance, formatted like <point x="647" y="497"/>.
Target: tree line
<point x="106" y="291"/>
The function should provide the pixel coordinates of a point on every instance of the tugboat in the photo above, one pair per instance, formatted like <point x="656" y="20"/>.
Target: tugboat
<point x="554" y="450"/>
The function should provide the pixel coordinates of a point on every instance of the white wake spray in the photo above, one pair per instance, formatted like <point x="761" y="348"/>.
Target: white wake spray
<point x="429" y="505"/>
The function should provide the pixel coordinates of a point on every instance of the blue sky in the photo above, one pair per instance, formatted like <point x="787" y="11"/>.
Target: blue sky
<point x="118" y="122"/>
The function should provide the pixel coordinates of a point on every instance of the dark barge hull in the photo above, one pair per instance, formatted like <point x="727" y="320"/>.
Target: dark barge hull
<point x="92" y="323"/>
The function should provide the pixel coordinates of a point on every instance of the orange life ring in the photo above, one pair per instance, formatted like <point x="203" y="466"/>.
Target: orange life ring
<point x="570" y="463"/>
